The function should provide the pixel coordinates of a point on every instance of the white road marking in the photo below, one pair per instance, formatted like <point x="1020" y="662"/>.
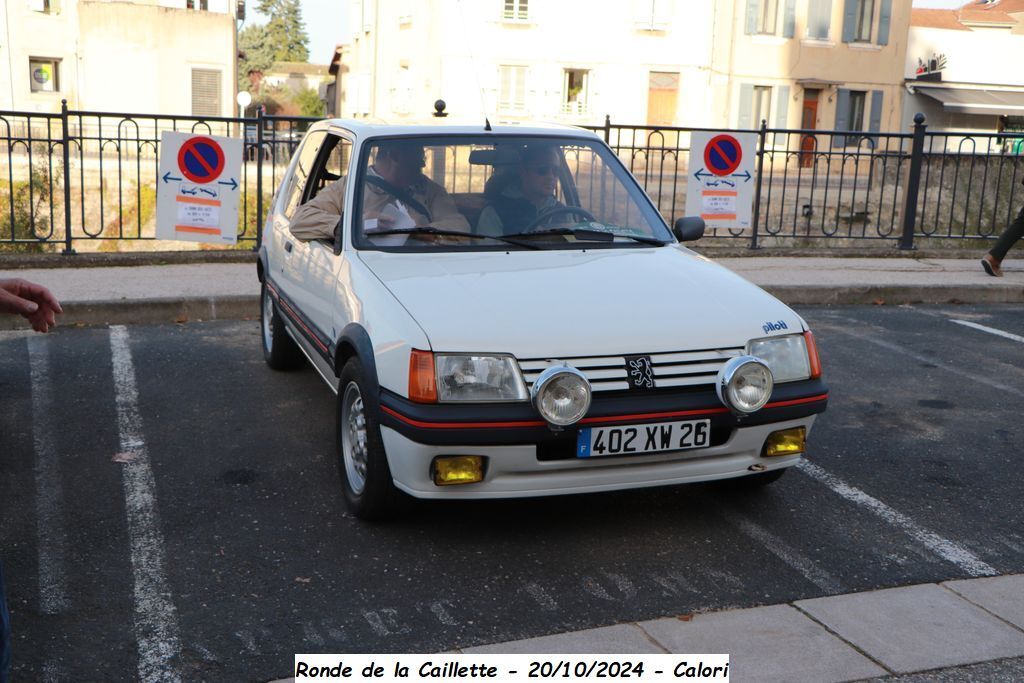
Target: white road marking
<point x="541" y="597"/>
<point x="895" y="348"/>
<point x="156" y="620"/>
<point x="948" y="550"/>
<point x="990" y="330"/>
<point x="442" y="614"/>
<point x="780" y="549"/>
<point x="52" y="537"/>
<point x="674" y="584"/>
<point x="590" y="585"/>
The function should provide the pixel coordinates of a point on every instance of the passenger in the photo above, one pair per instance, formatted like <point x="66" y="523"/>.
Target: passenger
<point x="528" y="195"/>
<point x="394" y="188"/>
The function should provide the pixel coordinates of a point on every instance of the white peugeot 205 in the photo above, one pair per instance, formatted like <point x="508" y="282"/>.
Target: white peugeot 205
<point x="502" y="312"/>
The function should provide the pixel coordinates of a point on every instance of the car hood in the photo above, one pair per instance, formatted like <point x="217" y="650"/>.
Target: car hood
<point x="561" y="303"/>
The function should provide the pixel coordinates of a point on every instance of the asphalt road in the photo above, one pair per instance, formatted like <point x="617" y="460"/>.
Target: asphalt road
<point x="227" y="538"/>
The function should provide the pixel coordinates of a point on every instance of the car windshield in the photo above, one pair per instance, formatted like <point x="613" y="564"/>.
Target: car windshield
<point x="481" y="193"/>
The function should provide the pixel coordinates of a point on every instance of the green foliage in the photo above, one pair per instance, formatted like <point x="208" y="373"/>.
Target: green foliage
<point x="25" y="208"/>
<point x="255" y="54"/>
<point x="309" y="103"/>
<point x="286" y="32"/>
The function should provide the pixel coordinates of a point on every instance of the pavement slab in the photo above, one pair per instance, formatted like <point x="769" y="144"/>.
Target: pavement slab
<point x="1000" y="595"/>
<point x="775" y="643"/>
<point x="916" y="628"/>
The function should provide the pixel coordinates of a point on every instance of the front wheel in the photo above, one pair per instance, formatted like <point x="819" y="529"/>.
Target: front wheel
<point x="279" y="350"/>
<point x="366" y="481"/>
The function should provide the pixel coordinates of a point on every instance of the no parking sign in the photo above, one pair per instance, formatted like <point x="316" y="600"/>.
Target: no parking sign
<point x="197" y="191"/>
<point x="720" y="188"/>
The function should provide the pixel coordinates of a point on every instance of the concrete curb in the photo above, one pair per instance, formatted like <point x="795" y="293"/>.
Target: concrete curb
<point x="150" y="311"/>
<point x="106" y="260"/>
<point x="243" y="307"/>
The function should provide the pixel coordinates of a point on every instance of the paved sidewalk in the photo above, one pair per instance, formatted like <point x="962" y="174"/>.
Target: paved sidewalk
<point x="211" y="291"/>
<point x="945" y="629"/>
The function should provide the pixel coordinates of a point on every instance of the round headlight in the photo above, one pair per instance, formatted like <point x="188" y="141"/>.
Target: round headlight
<point x="561" y="395"/>
<point x="744" y="384"/>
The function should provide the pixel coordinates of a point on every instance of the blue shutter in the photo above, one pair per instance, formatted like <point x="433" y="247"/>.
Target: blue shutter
<point x="875" y="122"/>
<point x="884" y="19"/>
<point x="842" y="116"/>
<point x="789" y="19"/>
<point x="849" y="20"/>
<point x="781" y="112"/>
<point x="753" y="7"/>
<point x="819" y="19"/>
<point x="746" y="105"/>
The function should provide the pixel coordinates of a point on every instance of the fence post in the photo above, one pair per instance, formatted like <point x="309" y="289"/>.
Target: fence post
<point x="607" y="129"/>
<point x="66" y="139"/>
<point x="913" y="183"/>
<point x="761" y="137"/>
<point x="259" y="177"/>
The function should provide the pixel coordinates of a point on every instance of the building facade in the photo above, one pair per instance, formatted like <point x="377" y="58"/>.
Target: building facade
<point x="823" y="63"/>
<point x="963" y="68"/>
<point x="144" y="56"/>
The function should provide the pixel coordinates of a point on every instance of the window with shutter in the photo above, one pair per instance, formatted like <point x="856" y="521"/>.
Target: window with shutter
<point x="819" y="19"/>
<point x="512" y="89"/>
<point x="206" y="92"/>
<point x="516" y="10"/>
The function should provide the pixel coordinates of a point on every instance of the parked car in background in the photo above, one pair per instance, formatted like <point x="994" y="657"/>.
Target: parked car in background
<point x="514" y="318"/>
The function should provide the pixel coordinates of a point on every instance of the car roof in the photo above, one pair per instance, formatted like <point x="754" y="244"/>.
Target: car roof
<point x="367" y="128"/>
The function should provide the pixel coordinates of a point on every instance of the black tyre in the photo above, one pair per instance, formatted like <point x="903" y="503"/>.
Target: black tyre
<point x="366" y="481"/>
<point x="279" y="349"/>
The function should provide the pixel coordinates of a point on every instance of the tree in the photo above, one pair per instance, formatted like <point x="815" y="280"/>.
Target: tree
<point x="286" y="32"/>
<point x="254" y="54"/>
<point x="309" y="103"/>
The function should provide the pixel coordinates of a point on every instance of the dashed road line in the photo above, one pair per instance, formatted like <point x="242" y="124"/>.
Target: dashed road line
<point x="782" y="550"/>
<point x="156" y="621"/>
<point x="990" y="330"/>
<point x="52" y="536"/>
<point x="541" y="597"/>
<point x="946" y="549"/>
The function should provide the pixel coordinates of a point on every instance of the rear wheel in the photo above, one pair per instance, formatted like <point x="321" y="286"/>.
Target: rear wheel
<point x="366" y="481"/>
<point x="279" y="350"/>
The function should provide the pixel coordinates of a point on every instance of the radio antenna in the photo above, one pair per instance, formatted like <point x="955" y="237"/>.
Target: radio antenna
<point x="472" y="58"/>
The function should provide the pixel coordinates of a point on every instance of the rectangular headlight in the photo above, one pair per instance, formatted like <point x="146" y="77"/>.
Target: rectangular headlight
<point x="478" y="378"/>
<point x="785" y="356"/>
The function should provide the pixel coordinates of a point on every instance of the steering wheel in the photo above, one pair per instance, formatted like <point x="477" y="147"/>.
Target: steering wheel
<point x="557" y="211"/>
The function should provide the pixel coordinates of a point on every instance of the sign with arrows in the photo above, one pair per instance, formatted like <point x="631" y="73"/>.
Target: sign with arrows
<point x="720" y="187"/>
<point x="198" y="190"/>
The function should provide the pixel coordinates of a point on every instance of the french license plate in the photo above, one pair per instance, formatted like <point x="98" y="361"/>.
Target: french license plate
<point x="592" y="442"/>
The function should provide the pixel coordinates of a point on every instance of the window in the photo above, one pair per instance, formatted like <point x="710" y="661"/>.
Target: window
<point x="44" y="6"/>
<point x="206" y="92"/>
<point x="819" y="19"/>
<point x="44" y="74"/>
<point x="574" y="99"/>
<point x="512" y="89"/>
<point x="516" y="10"/>
<point x="855" y="114"/>
<point x="303" y="164"/>
<point x="767" y="12"/>
<point x="762" y="105"/>
<point x="865" y="15"/>
<point x="652" y="15"/>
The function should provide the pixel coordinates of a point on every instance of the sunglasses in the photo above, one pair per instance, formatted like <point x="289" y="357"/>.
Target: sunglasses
<point x="544" y="170"/>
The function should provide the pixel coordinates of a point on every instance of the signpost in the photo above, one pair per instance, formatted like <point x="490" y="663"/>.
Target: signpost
<point x="198" y="191"/>
<point x="720" y="188"/>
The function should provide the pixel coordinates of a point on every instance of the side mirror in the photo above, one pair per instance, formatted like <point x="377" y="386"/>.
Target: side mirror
<point x="689" y="228"/>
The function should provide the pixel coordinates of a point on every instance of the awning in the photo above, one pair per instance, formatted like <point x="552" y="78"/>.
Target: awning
<point x="969" y="101"/>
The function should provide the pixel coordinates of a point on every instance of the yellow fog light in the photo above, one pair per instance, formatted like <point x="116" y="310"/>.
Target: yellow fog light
<point x="458" y="469"/>
<point x="786" y="442"/>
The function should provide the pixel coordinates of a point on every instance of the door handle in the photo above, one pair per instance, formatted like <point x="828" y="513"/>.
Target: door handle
<point x="288" y="247"/>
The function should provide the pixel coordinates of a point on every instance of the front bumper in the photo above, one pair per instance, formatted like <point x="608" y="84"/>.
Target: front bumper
<point x="525" y="458"/>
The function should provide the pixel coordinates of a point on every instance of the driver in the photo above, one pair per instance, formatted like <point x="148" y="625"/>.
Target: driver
<point x="395" y="194"/>
<point x="530" y="194"/>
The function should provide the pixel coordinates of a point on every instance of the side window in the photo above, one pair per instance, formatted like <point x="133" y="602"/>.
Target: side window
<point x="331" y="165"/>
<point x="303" y="165"/>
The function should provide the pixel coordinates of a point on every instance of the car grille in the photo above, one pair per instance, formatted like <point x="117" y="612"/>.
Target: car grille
<point x="671" y="370"/>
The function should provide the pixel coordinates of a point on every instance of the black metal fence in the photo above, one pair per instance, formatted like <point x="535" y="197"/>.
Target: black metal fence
<point x="87" y="180"/>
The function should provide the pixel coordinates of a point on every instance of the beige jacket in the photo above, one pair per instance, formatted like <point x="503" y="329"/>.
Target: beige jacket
<point x="318" y="218"/>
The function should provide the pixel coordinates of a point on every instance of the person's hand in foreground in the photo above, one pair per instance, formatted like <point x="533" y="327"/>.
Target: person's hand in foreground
<point x="33" y="302"/>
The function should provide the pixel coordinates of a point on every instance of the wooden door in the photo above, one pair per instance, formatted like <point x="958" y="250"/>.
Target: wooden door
<point x="809" y="121"/>
<point x="662" y="97"/>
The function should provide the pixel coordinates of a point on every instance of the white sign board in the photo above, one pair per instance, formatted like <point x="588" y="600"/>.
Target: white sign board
<point x="720" y="188"/>
<point x="198" y="188"/>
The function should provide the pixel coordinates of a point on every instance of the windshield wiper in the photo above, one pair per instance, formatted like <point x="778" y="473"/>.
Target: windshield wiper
<point x="431" y="230"/>
<point x="592" y="235"/>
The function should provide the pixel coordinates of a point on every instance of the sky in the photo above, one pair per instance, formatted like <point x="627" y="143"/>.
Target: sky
<point x="327" y="23"/>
